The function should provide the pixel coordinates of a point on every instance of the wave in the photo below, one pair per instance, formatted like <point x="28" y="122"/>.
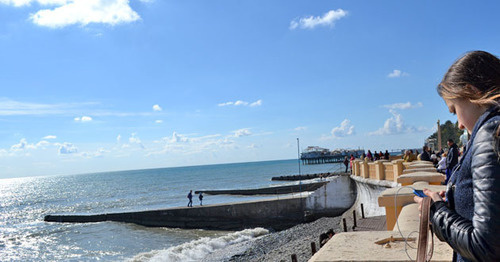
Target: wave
<point x="197" y="249"/>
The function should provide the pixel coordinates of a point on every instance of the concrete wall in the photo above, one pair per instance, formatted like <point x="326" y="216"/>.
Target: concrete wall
<point x="368" y="193"/>
<point x="334" y="198"/>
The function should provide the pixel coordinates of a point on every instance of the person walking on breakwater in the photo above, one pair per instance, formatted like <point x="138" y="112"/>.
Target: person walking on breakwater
<point x="201" y="198"/>
<point x="467" y="215"/>
<point x="190" y="197"/>
<point x="346" y="163"/>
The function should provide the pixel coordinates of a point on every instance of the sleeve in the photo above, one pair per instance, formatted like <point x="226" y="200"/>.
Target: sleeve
<point x="476" y="240"/>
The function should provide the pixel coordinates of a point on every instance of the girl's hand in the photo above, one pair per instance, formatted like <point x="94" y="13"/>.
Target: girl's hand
<point x="434" y="195"/>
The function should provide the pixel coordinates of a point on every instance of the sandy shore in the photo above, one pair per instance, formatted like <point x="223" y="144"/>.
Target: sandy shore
<point x="279" y="246"/>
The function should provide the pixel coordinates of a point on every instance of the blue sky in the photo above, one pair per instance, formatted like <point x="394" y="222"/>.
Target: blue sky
<point x="98" y="85"/>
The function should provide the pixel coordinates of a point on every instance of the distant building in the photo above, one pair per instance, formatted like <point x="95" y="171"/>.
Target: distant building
<point x="432" y="144"/>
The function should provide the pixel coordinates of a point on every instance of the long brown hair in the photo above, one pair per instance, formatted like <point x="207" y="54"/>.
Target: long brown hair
<point x="475" y="76"/>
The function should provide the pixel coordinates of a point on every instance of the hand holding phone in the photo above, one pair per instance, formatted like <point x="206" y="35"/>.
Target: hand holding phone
<point x="419" y="193"/>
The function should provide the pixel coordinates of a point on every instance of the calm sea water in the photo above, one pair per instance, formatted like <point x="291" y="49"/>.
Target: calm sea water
<point x="24" y="236"/>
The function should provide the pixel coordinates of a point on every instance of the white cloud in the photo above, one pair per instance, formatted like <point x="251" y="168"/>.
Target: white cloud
<point x="226" y="104"/>
<point x="18" y="3"/>
<point x="119" y="138"/>
<point x="345" y="129"/>
<point x="157" y="108"/>
<point x="182" y="144"/>
<point x="67" y="148"/>
<point x="402" y="106"/>
<point x="241" y="103"/>
<point x="42" y="143"/>
<point x="50" y="137"/>
<point x="310" y="22"/>
<point x="10" y="107"/>
<point x="177" y="138"/>
<point x="242" y="132"/>
<point x="300" y="128"/>
<point x="83" y="119"/>
<point x="99" y="153"/>
<point x="253" y="146"/>
<point x="79" y="12"/>
<point x="134" y="139"/>
<point x="256" y="103"/>
<point x="397" y="73"/>
<point x="159" y="121"/>
<point x="394" y="125"/>
<point x="15" y="2"/>
<point x="22" y="145"/>
<point x="84" y="12"/>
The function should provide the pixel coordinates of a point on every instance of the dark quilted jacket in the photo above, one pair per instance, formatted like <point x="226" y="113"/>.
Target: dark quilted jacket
<point x="470" y="219"/>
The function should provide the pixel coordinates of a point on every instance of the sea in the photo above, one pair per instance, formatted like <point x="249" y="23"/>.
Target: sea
<point x="24" y="202"/>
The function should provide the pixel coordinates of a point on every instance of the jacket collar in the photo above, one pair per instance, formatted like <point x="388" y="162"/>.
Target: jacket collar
<point x="491" y="112"/>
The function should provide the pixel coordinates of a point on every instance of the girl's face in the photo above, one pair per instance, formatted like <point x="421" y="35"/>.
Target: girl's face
<point x="467" y="112"/>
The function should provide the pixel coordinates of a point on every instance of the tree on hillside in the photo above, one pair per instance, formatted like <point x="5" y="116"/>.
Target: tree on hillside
<point x="448" y="130"/>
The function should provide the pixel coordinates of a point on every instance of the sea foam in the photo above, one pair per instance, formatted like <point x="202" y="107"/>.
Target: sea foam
<point x="197" y="249"/>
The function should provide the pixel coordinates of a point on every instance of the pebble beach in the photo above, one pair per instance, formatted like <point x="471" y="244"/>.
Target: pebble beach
<point x="279" y="246"/>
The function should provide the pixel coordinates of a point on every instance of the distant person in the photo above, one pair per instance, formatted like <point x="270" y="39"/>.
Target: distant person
<point x="376" y="156"/>
<point x="369" y="155"/>
<point x="413" y="156"/>
<point x="351" y="160"/>
<point x="190" y="197"/>
<point x="387" y="156"/>
<point x="330" y="233"/>
<point x="323" y="238"/>
<point x="425" y="154"/>
<point x="380" y="155"/>
<point x="464" y="138"/>
<point x="451" y="158"/>
<point x="346" y="163"/>
<point x="434" y="160"/>
<point x="441" y="166"/>
<point x="408" y="156"/>
<point x="201" y="198"/>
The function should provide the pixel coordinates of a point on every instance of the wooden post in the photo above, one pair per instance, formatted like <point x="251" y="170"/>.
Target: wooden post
<point x="294" y="258"/>
<point x="354" y="219"/>
<point x="362" y="212"/>
<point x="313" y="248"/>
<point x="345" y="225"/>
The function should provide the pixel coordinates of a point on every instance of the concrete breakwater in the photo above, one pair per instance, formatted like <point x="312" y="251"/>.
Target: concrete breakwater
<point x="304" y="177"/>
<point x="332" y="199"/>
<point x="267" y="190"/>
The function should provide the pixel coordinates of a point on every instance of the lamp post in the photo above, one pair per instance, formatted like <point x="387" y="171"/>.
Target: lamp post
<point x="439" y="136"/>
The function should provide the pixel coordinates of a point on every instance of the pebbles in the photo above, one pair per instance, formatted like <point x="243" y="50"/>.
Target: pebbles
<point x="279" y="246"/>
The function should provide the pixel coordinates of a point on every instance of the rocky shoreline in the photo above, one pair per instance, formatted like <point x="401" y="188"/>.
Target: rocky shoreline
<point x="279" y="246"/>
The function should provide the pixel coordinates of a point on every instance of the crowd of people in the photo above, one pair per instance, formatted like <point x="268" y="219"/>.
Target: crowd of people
<point x="444" y="161"/>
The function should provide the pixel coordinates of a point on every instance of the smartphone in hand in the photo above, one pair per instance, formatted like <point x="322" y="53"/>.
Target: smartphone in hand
<point x="419" y="193"/>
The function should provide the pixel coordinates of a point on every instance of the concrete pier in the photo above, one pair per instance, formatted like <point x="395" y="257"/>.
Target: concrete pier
<point x="267" y="190"/>
<point x="277" y="214"/>
<point x="332" y="199"/>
